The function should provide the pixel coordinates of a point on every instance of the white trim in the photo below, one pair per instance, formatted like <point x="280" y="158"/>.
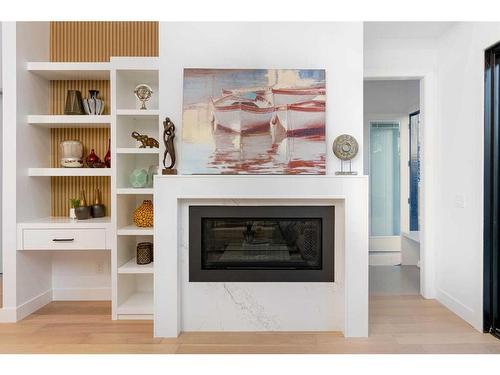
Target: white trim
<point x="33" y="304"/>
<point x="134" y="317"/>
<point x="9" y="164"/>
<point x="465" y="312"/>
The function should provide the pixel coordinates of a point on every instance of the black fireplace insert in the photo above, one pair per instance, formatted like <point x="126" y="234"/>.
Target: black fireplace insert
<point x="261" y="243"/>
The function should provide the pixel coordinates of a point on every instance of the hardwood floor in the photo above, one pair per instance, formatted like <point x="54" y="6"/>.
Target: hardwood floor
<point x="401" y="324"/>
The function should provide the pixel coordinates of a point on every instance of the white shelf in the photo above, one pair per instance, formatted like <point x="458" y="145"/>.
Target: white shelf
<point x="133" y="230"/>
<point x="134" y="191"/>
<point x="139" y="303"/>
<point x="70" y="70"/>
<point x="136" y="150"/>
<point x="66" y="121"/>
<point x="142" y="113"/>
<point x="48" y="172"/>
<point x="132" y="267"/>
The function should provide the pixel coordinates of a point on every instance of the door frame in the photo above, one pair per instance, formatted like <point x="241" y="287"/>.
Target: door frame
<point x="428" y="129"/>
<point x="491" y="200"/>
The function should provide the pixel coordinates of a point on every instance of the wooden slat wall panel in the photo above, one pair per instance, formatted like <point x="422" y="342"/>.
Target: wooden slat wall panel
<point x="90" y="42"/>
<point x="98" y="41"/>
<point x="65" y="188"/>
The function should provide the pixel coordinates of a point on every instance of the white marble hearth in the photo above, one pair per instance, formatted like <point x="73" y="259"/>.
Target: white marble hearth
<point x="181" y="305"/>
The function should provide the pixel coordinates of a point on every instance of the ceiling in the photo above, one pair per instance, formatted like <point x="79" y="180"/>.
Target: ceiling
<point x="398" y="29"/>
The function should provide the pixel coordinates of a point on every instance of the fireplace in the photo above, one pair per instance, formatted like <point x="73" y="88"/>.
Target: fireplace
<point x="261" y="243"/>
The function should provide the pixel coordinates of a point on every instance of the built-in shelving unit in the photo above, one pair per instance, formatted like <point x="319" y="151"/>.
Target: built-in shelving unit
<point x="51" y="172"/>
<point x="52" y="257"/>
<point x="65" y="121"/>
<point x="133" y="284"/>
<point x="70" y="70"/>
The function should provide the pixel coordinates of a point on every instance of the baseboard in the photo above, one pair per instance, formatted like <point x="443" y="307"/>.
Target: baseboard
<point x="135" y="317"/>
<point x="457" y="307"/>
<point x="33" y="304"/>
<point x="384" y="258"/>
<point x="87" y="294"/>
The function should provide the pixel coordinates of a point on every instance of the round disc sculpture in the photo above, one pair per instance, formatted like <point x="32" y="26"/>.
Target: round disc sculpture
<point x="345" y="147"/>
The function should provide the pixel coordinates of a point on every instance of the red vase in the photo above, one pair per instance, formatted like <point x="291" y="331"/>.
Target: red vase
<point x="107" y="158"/>
<point x="92" y="159"/>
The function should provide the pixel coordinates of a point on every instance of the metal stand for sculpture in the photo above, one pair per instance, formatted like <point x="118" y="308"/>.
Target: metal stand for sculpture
<point x="168" y="140"/>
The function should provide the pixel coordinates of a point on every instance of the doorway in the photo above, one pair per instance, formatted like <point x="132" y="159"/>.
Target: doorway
<point x="392" y="162"/>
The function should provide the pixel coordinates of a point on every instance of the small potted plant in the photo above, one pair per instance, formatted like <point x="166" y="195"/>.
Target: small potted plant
<point x="73" y="203"/>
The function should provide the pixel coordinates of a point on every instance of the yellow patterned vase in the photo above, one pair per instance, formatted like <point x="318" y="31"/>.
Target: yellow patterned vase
<point x="143" y="215"/>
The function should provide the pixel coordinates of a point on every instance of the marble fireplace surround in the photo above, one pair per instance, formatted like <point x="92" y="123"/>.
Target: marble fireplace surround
<point x="270" y="306"/>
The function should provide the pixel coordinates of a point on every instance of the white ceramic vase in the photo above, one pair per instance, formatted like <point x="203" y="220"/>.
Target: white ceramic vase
<point x="93" y="105"/>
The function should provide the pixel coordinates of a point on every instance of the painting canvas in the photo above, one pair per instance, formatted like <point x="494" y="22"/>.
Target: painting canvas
<point x="253" y="121"/>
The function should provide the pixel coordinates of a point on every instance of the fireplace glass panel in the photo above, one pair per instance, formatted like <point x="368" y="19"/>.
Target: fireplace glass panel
<point x="261" y="243"/>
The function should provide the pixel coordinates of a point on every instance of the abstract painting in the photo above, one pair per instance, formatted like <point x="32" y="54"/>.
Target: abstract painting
<point x="253" y="121"/>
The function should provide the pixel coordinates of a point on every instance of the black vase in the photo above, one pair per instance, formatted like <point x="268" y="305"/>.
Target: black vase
<point x="98" y="210"/>
<point x="82" y="212"/>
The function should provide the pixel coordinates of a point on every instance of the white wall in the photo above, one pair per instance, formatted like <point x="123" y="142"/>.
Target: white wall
<point x="336" y="47"/>
<point x="455" y="61"/>
<point x="460" y="168"/>
<point x="397" y="51"/>
<point x="76" y="275"/>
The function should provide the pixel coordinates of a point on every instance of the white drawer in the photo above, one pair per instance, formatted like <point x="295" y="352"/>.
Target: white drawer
<point x="64" y="239"/>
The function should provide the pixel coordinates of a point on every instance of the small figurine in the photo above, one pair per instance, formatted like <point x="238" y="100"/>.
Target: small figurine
<point x="168" y="140"/>
<point x="143" y="92"/>
<point x="145" y="140"/>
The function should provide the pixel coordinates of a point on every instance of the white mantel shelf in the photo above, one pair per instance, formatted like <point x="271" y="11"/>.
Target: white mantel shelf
<point x="175" y="193"/>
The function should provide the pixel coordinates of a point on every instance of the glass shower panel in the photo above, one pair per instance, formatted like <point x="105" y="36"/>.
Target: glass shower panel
<point x="385" y="204"/>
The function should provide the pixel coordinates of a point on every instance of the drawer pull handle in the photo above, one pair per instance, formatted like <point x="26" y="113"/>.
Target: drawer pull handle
<point x="63" y="239"/>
